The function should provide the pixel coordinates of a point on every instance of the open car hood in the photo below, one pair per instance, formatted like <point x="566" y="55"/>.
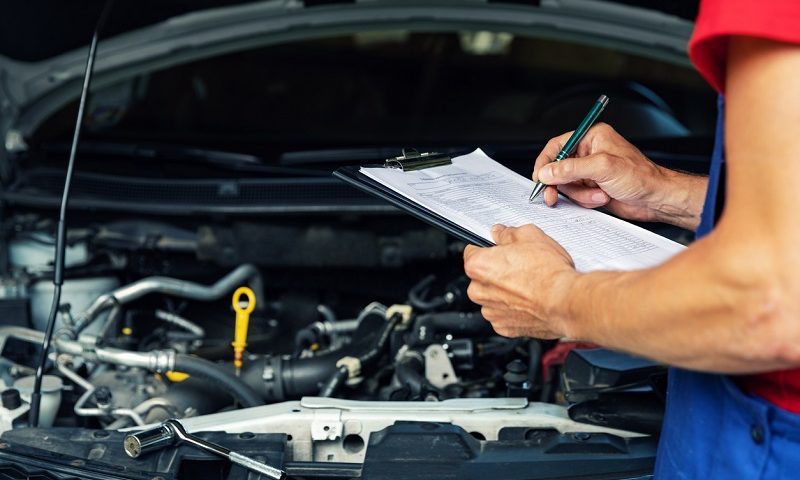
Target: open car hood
<point x="32" y="91"/>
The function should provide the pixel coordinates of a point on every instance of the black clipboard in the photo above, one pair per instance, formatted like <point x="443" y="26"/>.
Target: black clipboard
<point x="357" y="179"/>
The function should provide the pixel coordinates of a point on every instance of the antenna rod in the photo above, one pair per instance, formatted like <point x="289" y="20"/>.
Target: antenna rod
<point x="61" y="232"/>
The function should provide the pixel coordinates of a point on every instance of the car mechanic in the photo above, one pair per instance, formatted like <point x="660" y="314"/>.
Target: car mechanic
<point x="726" y="312"/>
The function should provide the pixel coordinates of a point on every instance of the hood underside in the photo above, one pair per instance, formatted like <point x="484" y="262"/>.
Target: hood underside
<point x="28" y="36"/>
<point x="31" y="91"/>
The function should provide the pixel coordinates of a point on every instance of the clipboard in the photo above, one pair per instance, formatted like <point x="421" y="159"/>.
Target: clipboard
<point x="409" y="160"/>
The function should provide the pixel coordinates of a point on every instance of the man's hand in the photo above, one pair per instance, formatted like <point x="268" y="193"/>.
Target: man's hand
<point x="608" y="171"/>
<point x="520" y="281"/>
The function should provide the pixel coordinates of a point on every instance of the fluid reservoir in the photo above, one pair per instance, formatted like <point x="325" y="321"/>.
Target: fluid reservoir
<point x="51" y="396"/>
<point x="78" y="293"/>
<point x="35" y="256"/>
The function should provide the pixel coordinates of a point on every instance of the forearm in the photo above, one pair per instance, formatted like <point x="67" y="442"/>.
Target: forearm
<point x="679" y="199"/>
<point x="719" y="306"/>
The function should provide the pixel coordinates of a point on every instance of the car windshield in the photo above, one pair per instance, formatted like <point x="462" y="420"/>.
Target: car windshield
<point x="394" y="87"/>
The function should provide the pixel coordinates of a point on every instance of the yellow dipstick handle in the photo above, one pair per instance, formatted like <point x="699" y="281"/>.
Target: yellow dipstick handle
<point x="242" y="322"/>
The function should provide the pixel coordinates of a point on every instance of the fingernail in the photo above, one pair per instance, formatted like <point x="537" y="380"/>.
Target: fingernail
<point x="498" y="228"/>
<point x="545" y="174"/>
<point x="599" y="197"/>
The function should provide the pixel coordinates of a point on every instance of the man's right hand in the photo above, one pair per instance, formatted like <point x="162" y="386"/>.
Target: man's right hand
<point x="607" y="170"/>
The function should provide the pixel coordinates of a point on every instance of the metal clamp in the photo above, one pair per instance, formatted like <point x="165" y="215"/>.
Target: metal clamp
<point x="411" y="160"/>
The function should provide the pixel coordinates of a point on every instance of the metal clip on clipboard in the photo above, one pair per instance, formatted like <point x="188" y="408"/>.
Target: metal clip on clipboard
<point x="411" y="160"/>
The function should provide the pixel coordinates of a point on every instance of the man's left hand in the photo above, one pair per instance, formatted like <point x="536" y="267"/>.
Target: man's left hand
<point x="521" y="282"/>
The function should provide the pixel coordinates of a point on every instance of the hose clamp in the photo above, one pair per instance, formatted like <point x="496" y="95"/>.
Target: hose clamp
<point x="162" y="360"/>
<point x="404" y="311"/>
<point x="352" y="364"/>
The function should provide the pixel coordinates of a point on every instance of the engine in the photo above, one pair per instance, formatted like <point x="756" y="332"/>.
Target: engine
<point x="132" y="353"/>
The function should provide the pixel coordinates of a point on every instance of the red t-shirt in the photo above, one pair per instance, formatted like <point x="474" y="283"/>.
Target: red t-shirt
<point x="771" y="19"/>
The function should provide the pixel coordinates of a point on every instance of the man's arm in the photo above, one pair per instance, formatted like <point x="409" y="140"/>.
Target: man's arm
<point x="731" y="301"/>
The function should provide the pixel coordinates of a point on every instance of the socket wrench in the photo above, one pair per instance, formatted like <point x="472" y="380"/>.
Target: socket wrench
<point x="172" y="433"/>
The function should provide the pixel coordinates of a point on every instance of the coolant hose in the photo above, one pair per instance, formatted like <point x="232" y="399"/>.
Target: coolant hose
<point x="409" y="374"/>
<point x="365" y="359"/>
<point x="330" y="388"/>
<point x="460" y="324"/>
<point x="379" y="345"/>
<point x="281" y="378"/>
<point x="220" y="377"/>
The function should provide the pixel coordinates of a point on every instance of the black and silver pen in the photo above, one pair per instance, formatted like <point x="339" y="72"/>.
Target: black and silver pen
<point x="575" y="138"/>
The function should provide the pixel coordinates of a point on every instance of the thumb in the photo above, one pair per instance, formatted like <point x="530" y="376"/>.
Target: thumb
<point x="502" y="235"/>
<point x="591" y="167"/>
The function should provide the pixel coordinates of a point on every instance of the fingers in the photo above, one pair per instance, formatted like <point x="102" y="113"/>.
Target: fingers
<point x="596" y="167"/>
<point x="589" y="197"/>
<point x="600" y="133"/>
<point x="481" y="263"/>
<point x="503" y="235"/>
<point x="473" y="266"/>
<point x="549" y="153"/>
<point x="470" y="251"/>
<point x="506" y="235"/>
<point x="550" y="196"/>
<point x="479" y="293"/>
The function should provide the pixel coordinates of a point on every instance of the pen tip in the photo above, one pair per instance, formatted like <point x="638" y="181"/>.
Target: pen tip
<point x="536" y="190"/>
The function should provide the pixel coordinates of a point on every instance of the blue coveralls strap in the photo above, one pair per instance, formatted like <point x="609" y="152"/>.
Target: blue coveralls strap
<point x="713" y="430"/>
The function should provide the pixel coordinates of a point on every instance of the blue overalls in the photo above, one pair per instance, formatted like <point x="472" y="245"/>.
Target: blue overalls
<point x="713" y="430"/>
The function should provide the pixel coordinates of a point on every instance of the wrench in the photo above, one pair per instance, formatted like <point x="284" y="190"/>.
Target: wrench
<point x="172" y="432"/>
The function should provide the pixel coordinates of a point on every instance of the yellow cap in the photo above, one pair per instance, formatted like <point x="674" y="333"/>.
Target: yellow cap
<point x="176" y="377"/>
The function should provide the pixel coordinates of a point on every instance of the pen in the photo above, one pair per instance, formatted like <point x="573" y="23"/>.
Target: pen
<point x="576" y="137"/>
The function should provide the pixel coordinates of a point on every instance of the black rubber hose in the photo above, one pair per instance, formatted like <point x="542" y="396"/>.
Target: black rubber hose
<point x="296" y="377"/>
<point x="366" y="359"/>
<point x="457" y="323"/>
<point x="416" y="297"/>
<point x="332" y="386"/>
<point x="220" y="377"/>
<point x="409" y="374"/>
<point x="379" y="345"/>
<point x="534" y="361"/>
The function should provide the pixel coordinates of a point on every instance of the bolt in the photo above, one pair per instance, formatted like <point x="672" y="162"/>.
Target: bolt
<point x="516" y="366"/>
<point x="103" y="396"/>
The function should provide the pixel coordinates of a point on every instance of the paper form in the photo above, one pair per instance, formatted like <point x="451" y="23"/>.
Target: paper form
<point x="476" y="192"/>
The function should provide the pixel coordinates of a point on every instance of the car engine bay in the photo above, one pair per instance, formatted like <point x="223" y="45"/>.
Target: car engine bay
<point x="145" y="333"/>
